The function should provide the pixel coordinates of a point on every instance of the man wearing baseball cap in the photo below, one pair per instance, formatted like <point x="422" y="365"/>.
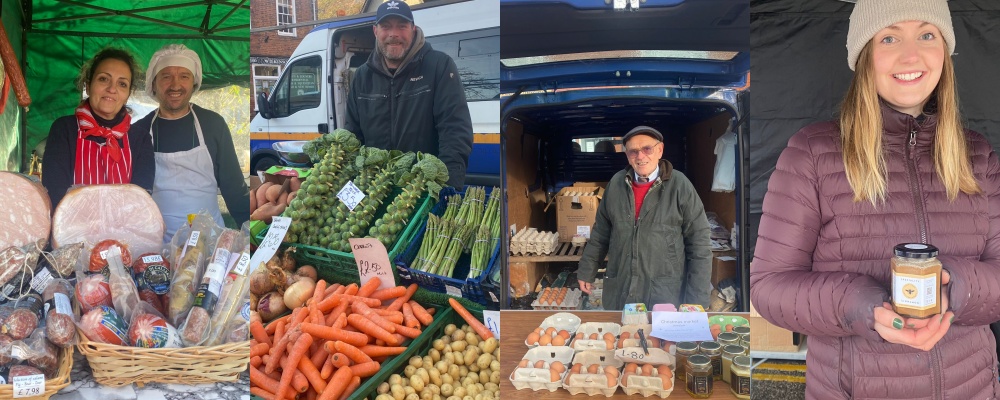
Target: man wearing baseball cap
<point x="409" y="96"/>
<point x="194" y="151"/>
<point x="651" y="226"/>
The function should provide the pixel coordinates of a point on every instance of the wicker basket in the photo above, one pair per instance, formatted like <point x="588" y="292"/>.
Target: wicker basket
<point x="121" y="365"/>
<point x="53" y="385"/>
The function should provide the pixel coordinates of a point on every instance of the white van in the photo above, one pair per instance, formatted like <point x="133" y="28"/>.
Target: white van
<point x="310" y="97"/>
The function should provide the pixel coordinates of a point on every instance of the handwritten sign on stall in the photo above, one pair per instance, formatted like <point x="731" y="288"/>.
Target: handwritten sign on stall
<point x="372" y="261"/>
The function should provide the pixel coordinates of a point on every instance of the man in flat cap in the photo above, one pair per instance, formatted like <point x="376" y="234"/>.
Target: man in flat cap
<point x="651" y="225"/>
<point x="194" y="151"/>
<point x="410" y="97"/>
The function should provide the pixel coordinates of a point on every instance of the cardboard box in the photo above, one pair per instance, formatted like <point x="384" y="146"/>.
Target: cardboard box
<point x="576" y="214"/>
<point x="525" y="275"/>
<point x="255" y="182"/>
<point x="765" y="336"/>
<point x="272" y="174"/>
<point x="723" y="266"/>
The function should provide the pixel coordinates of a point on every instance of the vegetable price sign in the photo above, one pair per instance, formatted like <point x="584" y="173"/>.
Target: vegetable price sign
<point x="271" y="242"/>
<point x="28" y="386"/>
<point x="350" y="195"/>
<point x="491" y="318"/>
<point x="372" y="260"/>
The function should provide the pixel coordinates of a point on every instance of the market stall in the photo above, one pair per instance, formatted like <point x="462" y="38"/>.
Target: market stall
<point x="519" y="329"/>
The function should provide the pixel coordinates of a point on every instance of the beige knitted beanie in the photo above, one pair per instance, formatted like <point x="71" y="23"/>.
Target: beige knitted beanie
<point x="871" y="16"/>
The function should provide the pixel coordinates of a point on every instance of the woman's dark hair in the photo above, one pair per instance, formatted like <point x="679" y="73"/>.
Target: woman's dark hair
<point x="110" y="53"/>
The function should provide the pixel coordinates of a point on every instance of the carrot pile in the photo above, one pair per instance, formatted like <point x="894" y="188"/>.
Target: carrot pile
<point x="341" y="335"/>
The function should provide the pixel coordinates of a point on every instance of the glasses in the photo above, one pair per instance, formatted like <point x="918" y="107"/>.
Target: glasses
<point x="647" y="150"/>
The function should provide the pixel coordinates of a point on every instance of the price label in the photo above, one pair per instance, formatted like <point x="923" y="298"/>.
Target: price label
<point x="193" y="241"/>
<point x="350" y="195"/>
<point x="491" y="318"/>
<point x="637" y="354"/>
<point x="28" y="386"/>
<point x="152" y="259"/>
<point x="275" y="234"/>
<point x="513" y="229"/>
<point x="453" y="291"/>
<point x="372" y="261"/>
<point x="583" y="230"/>
<point x="242" y="264"/>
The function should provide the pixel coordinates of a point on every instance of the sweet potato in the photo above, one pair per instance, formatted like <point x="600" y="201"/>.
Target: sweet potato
<point x="283" y="198"/>
<point x="273" y="192"/>
<point x="261" y="193"/>
<point x="295" y="184"/>
<point x="291" y="196"/>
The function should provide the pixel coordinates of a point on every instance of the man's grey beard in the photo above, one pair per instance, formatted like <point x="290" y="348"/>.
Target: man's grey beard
<point x="385" y="53"/>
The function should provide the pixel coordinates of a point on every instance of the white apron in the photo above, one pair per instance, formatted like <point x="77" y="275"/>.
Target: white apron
<point x="185" y="183"/>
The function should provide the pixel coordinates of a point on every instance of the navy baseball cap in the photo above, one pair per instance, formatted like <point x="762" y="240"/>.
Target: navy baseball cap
<point x="394" y="7"/>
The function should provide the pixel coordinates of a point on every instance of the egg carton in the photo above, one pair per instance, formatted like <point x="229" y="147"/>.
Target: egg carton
<point x="559" y="321"/>
<point x="582" y="341"/>
<point x="646" y="386"/>
<point x="531" y="241"/>
<point x="538" y="379"/>
<point x="552" y="296"/>
<point x="570" y="302"/>
<point x="579" y="193"/>
<point x="593" y="384"/>
<point x="633" y="337"/>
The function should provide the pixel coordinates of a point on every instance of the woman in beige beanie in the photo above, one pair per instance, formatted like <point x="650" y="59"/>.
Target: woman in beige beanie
<point x="897" y="167"/>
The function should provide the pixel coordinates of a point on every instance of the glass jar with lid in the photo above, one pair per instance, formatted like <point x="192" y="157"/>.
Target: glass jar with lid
<point x="728" y="353"/>
<point x="698" y="382"/>
<point x="742" y="331"/>
<point x="745" y="342"/>
<point x="739" y="380"/>
<point x="728" y="338"/>
<point x="684" y="350"/>
<point x="916" y="280"/>
<point x="713" y="350"/>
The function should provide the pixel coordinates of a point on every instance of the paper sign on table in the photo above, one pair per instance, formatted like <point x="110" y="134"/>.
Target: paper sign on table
<point x="28" y="386"/>
<point x="583" y="230"/>
<point x="681" y="326"/>
<point x="372" y="260"/>
<point x="350" y="195"/>
<point x="275" y="235"/>
<point x="491" y="318"/>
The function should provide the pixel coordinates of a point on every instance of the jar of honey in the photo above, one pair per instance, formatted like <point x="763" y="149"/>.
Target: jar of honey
<point x="699" y="377"/>
<point x="916" y="280"/>
<point x="684" y="350"/>
<point x="713" y="350"/>
<point x="739" y="380"/>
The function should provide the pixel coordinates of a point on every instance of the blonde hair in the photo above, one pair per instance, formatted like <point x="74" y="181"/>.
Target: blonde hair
<point x="861" y="135"/>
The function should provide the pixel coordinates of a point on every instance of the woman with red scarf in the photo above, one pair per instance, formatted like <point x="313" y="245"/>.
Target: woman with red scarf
<point x="93" y="146"/>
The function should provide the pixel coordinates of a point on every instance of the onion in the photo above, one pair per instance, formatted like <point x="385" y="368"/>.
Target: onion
<point x="307" y="270"/>
<point x="260" y="283"/>
<point x="271" y="306"/>
<point x="300" y="291"/>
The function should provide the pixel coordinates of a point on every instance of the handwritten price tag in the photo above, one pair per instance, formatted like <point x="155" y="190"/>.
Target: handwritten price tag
<point x="275" y="234"/>
<point x="372" y="260"/>
<point x="491" y="318"/>
<point x="350" y="195"/>
<point x="28" y="386"/>
<point x="638" y="355"/>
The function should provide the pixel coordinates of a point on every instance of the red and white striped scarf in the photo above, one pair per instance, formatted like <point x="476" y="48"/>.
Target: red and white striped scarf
<point x="98" y="164"/>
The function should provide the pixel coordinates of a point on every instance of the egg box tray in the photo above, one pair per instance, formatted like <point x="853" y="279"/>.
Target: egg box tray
<point x="593" y="384"/>
<point x="559" y="321"/>
<point x="633" y="340"/>
<point x="538" y="379"/>
<point x="600" y="328"/>
<point x="570" y="302"/>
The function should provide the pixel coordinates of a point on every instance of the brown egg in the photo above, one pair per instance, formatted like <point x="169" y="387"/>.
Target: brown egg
<point x="593" y="368"/>
<point x="545" y="340"/>
<point x="665" y="371"/>
<point x="667" y="344"/>
<point x="610" y="369"/>
<point x="593" y="336"/>
<point x="608" y="336"/>
<point x="558" y="341"/>
<point x="557" y="366"/>
<point x="625" y="378"/>
<point x="555" y="375"/>
<point x="579" y="336"/>
<point x="609" y="344"/>
<point x="550" y="331"/>
<point x="647" y="370"/>
<point x="654" y="342"/>
<point x="612" y="380"/>
<point x="729" y="327"/>
<point x="568" y="375"/>
<point x="626" y="335"/>
<point x="621" y="343"/>
<point x="532" y="338"/>
<point x="538" y="330"/>
<point x="631" y="367"/>
<point x="564" y="334"/>
<point x="576" y="368"/>
<point x="523" y="363"/>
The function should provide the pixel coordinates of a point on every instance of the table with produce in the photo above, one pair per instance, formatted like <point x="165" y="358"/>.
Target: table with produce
<point x="379" y="279"/>
<point x="93" y="304"/>
<point x="561" y="355"/>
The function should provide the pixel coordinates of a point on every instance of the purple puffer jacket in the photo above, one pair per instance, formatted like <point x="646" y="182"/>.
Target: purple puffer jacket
<point x="822" y="264"/>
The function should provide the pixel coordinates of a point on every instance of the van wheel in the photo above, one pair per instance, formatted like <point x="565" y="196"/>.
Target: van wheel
<point x="265" y="163"/>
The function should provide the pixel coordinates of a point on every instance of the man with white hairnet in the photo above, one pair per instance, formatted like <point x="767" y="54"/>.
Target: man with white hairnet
<point x="195" y="156"/>
<point x="410" y="97"/>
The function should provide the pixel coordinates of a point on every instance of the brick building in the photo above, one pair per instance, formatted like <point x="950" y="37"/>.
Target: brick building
<point x="269" y="50"/>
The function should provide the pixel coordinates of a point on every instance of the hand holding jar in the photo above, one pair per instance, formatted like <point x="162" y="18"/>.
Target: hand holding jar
<point x="919" y="333"/>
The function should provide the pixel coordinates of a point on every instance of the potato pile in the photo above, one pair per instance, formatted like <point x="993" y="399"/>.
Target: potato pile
<point x="270" y="200"/>
<point x="459" y="366"/>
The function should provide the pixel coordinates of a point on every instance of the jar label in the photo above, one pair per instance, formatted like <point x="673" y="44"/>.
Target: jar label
<point x="699" y="384"/>
<point x="717" y="366"/>
<point x="914" y="291"/>
<point x="739" y="384"/>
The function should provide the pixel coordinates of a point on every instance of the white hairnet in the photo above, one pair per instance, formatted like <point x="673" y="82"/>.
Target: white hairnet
<point x="173" y="55"/>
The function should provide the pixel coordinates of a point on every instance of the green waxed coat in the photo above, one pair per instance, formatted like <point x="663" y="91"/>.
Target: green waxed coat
<point x="663" y="257"/>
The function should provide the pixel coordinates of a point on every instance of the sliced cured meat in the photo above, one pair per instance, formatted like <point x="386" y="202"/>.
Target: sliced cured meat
<point x="26" y="207"/>
<point x="90" y="214"/>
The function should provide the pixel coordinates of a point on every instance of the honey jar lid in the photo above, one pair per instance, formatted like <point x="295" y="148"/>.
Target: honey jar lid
<point x="733" y="349"/>
<point x="915" y="250"/>
<point x="742" y="361"/>
<point x="728" y="336"/>
<point x="687" y="346"/>
<point x="740" y="330"/>
<point x="711" y="346"/>
<point x="699" y="360"/>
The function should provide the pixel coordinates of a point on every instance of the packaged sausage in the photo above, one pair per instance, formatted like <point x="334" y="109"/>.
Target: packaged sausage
<point x="25" y="317"/>
<point x="99" y="255"/>
<point x="199" y="319"/>
<point x="41" y="353"/>
<point x="93" y="291"/>
<point x="64" y="259"/>
<point x="233" y="310"/>
<point x="102" y="324"/>
<point x="150" y="330"/>
<point x="123" y="292"/>
<point x="192" y="255"/>
<point x="59" y="322"/>
<point x="18" y="262"/>
<point x="22" y="370"/>
<point x="151" y="272"/>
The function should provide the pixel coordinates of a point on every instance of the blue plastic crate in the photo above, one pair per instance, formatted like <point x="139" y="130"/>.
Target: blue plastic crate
<point x="481" y="289"/>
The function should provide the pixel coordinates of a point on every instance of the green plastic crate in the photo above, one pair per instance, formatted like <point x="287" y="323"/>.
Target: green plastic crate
<point x="339" y="267"/>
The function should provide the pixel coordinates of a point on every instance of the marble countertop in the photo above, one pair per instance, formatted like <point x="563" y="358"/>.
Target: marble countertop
<point x="83" y="387"/>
